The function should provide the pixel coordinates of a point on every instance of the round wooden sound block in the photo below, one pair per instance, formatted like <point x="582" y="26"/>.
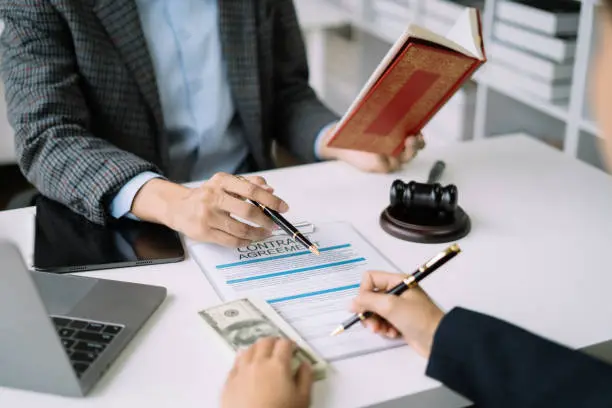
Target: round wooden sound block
<point x="424" y="226"/>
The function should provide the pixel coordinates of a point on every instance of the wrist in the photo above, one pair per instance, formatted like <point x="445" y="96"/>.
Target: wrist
<point x="326" y="152"/>
<point x="427" y="340"/>
<point x="155" y="200"/>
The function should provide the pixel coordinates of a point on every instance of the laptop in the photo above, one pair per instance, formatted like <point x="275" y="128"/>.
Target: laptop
<point x="60" y="333"/>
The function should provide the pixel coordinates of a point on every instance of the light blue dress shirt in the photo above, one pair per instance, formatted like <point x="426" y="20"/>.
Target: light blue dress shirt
<point x="201" y="122"/>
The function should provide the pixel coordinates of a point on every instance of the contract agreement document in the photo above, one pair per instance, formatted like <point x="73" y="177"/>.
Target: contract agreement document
<point x="312" y="293"/>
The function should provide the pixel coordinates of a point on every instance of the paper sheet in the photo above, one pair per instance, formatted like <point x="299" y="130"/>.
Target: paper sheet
<point x="312" y="293"/>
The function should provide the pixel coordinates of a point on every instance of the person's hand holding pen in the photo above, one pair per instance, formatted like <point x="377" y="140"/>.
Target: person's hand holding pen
<point x="387" y="307"/>
<point x="203" y="213"/>
<point x="412" y="315"/>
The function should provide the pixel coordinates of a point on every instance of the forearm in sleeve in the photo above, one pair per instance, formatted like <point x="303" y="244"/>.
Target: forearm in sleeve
<point x="300" y="115"/>
<point x="56" y="149"/>
<point x="496" y="364"/>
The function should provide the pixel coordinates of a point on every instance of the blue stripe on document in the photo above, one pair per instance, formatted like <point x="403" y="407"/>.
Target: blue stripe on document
<point x="321" y="292"/>
<point x="272" y="258"/>
<point x="291" y="272"/>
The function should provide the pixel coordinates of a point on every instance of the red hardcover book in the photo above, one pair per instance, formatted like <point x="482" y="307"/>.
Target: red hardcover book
<point x="420" y="73"/>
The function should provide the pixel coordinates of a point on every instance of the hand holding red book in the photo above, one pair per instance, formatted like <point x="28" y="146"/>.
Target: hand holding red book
<point x="421" y="72"/>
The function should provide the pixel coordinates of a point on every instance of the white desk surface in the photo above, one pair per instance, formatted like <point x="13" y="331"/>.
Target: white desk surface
<point x="537" y="256"/>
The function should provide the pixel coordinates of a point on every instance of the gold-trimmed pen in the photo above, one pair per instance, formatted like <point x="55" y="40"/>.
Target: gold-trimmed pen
<point x="408" y="282"/>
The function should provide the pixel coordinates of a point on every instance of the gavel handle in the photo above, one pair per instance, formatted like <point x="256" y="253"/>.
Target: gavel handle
<point x="436" y="172"/>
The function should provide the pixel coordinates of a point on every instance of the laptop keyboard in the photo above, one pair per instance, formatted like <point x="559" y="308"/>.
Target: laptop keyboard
<point x="84" y="340"/>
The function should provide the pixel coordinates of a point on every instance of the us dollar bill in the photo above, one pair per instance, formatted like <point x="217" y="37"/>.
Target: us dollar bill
<point x="240" y="323"/>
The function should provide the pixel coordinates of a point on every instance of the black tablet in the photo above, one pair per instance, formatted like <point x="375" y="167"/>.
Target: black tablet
<point x="67" y="242"/>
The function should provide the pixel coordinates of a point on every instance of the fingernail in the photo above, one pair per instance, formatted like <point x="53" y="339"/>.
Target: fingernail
<point x="284" y="207"/>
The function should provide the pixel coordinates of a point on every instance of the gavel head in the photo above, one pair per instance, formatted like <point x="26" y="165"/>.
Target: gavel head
<point x="427" y="197"/>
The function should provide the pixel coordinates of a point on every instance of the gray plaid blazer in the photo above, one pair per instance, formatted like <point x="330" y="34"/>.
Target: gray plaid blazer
<point x="82" y="94"/>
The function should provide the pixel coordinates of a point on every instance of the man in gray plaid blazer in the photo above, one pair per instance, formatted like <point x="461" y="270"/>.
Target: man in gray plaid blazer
<point x="115" y="102"/>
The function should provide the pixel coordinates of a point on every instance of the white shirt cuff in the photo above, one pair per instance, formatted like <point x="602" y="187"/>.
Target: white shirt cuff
<point x="321" y="139"/>
<point x="122" y="203"/>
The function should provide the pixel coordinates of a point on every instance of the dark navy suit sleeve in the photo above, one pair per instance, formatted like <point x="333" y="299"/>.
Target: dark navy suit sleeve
<point x="496" y="364"/>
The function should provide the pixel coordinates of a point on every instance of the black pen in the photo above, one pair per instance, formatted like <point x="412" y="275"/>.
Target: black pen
<point x="409" y="282"/>
<point x="284" y="224"/>
<point x="436" y="172"/>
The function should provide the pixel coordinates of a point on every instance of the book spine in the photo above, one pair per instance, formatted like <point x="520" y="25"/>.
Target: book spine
<point x="398" y="105"/>
<point x="466" y="76"/>
<point x="372" y="90"/>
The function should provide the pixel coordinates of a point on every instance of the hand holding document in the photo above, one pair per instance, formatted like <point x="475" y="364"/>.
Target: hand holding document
<point x="240" y="323"/>
<point x="311" y="293"/>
